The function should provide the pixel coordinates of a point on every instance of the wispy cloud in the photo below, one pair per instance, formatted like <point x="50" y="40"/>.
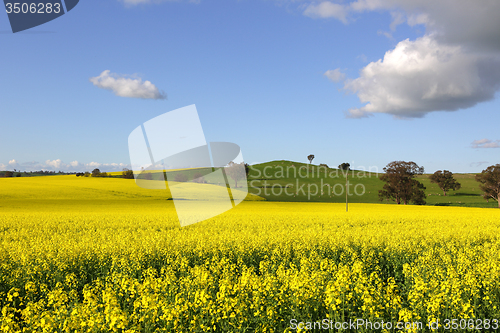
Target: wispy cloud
<point x="335" y="75"/>
<point x="327" y="9"/>
<point x="485" y="143"/>
<point x="127" y="86"/>
<point x="478" y="164"/>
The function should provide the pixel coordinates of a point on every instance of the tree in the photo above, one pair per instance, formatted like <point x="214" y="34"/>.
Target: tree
<point x="344" y="166"/>
<point x="247" y="169"/>
<point x="490" y="182"/>
<point x="9" y="174"/>
<point x="180" y="177"/>
<point x="127" y="174"/>
<point x="310" y="158"/>
<point x="400" y="183"/>
<point x="445" y="181"/>
<point x="96" y="172"/>
<point x="86" y="174"/>
<point x="236" y="171"/>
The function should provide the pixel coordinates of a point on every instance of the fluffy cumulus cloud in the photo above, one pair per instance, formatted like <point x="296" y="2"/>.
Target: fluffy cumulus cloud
<point x="485" y="143"/>
<point x="126" y="86"/>
<point x="455" y="65"/>
<point x="59" y="165"/>
<point x="422" y="76"/>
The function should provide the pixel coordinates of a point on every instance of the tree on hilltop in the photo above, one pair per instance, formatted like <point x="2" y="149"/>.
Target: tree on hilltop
<point x="445" y="181"/>
<point x="310" y="158"/>
<point x="344" y="166"/>
<point x="400" y="183"/>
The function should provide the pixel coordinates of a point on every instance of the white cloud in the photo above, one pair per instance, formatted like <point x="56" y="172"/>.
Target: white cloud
<point x="327" y="9"/>
<point x="485" y="143"/>
<point x="455" y="65"/>
<point x="422" y="76"/>
<point x="335" y="75"/>
<point x="127" y="86"/>
<point x="55" y="164"/>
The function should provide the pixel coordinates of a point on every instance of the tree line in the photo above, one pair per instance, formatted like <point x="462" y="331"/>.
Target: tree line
<point x="402" y="187"/>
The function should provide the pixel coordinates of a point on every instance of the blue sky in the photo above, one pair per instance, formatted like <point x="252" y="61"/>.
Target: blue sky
<point x="365" y="82"/>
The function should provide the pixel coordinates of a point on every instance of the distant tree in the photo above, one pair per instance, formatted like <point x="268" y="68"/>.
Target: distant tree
<point x="400" y="183"/>
<point x="344" y="166"/>
<point x="180" y="177"/>
<point x="490" y="182"/>
<point x="96" y="172"/>
<point x="247" y="169"/>
<point x="236" y="171"/>
<point x="18" y="174"/>
<point x="127" y="174"/>
<point x="310" y="158"/>
<point x="86" y="174"/>
<point x="80" y="174"/>
<point x="324" y="165"/>
<point x="9" y="174"/>
<point x="445" y="181"/>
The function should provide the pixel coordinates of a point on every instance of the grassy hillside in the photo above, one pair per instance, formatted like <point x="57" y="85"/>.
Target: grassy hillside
<point x="292" y="181"/>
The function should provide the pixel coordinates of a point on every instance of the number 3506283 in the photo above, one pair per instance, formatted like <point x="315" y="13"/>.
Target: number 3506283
<point x="33" y="8"/>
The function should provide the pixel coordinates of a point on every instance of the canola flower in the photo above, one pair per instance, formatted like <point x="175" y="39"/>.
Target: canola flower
<point x="98" y="255"/>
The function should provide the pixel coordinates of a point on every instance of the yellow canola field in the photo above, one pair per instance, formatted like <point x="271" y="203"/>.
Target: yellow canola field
<point x="102" y="255"/>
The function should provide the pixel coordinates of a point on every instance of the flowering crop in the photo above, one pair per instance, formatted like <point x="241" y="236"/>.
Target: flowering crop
<point x="117" y="261"/>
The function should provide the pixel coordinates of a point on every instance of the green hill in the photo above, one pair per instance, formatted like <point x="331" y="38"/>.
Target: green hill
<point x="293" y="181"/>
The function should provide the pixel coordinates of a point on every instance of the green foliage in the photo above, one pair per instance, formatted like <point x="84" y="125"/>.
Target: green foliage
<point x="344" y="166"/>
<point x="97" y="173"/>
<point x="400" y="183"/>
<point x="445" y="181"/>
<point x="490" y="182"/>
<point x="127" y="174"/>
